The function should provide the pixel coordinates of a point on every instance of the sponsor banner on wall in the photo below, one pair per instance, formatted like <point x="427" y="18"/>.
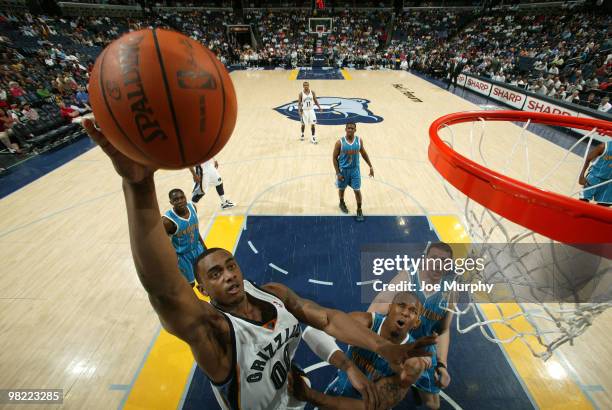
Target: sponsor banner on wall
<point x="512" y="98"/>
<point x="479" y="86"/>
<point x="521" y="101"/>
<point x="537" y="105"/>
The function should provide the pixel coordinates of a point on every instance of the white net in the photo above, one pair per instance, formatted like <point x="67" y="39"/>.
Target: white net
<point x="546" y="293"/>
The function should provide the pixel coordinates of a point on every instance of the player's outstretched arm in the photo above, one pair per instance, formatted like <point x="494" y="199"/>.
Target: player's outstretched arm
<point x="325" y="347"/>
<point x="179" y="310"/>
<point x="346" y="329"/>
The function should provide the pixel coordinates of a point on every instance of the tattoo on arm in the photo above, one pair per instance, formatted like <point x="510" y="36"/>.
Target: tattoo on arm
<point x="391" y="392"/>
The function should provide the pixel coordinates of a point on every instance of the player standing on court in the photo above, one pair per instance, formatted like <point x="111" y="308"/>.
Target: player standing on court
<point x="346" y="164"/>
<point x="306" y="102"/>
<point x="204" y="176"/>
<point x="182" y="225"/>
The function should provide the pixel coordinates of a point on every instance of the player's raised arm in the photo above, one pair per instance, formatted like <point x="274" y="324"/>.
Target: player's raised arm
<point x="179" y="310"/>
<point x="346" y="329"/>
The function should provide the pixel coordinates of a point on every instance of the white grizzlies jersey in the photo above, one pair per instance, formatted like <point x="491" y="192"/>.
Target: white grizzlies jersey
<point x="262" y="359"/>
<point x="307" y="101"/>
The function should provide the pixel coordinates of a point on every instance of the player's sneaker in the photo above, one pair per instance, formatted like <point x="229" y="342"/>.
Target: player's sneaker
<point x="196" y="197"/>
<point x="302" y="137"/>
<point x="227" y="204"/>
<point x="359" y="217"/>
<point x="343" y="208"/>
<point x="313" y="139"/>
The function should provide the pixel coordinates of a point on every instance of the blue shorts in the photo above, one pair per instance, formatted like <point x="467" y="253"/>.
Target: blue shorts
<point x="602" y="194"/>
<point x="352" y="178"/>
<point x="186" y="263"/>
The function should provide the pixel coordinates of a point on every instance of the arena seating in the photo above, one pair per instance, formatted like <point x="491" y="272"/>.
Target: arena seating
<point x="563" y="53"/>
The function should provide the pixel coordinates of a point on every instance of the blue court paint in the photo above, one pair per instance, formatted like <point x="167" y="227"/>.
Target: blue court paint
<point x="32" y="169"/>
<point x="327" y="248"/>
<point x="320" y="74"/>
<point x="120" y="387"/>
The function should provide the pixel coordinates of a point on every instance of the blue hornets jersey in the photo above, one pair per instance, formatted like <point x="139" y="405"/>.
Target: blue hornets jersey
<point x="187" y="235"/>
<point x="432" y="308"/>
<point x="371" y="364"/>
<point x="349" y="153"/>
<point x="602" y="166"/>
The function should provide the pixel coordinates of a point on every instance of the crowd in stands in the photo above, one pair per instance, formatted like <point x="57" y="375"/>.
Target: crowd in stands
<point x="562" y="54"/>
<point x="566" y="56"/>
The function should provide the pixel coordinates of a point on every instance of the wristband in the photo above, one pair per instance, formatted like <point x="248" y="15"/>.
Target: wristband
<point x="440" y="364"/>
<point x="322" y="344"/>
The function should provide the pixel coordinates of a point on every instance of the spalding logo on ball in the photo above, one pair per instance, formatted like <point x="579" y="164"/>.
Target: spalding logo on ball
<point x="163" y="99"/>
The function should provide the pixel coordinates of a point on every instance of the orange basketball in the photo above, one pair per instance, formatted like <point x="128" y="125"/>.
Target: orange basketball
<point x="163" y="99"/>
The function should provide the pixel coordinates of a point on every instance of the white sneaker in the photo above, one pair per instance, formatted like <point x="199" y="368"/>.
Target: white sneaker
<point x="302" y="137"/>
<point x="227" y="204"/>
<point x="313" y="139"/>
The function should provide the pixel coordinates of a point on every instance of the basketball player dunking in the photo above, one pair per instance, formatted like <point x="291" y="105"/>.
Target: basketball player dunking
<point x="306" y="102"/>
<point x="205" y="176"/>
<point x="245" y="339"/>
<point x="182" y="225"/>
<point x="346" y="163"/>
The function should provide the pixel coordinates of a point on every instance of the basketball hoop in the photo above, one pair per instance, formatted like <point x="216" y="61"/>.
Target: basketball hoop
<point x="320" y="31"/>
<point x="504" y="214"/>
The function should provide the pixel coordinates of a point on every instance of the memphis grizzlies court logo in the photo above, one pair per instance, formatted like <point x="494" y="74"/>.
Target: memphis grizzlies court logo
<point x="335" y="111"/>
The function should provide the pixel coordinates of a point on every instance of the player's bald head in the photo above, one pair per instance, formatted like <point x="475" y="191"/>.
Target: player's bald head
<point x="404" y="297"/>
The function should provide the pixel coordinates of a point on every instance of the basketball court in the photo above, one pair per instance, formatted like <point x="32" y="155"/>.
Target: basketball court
<point x="75" y="317"/>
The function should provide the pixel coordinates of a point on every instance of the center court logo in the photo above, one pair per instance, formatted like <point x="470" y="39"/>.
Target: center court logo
<point x="336" y="111"/>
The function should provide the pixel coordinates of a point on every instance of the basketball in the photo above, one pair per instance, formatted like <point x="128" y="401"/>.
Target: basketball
<point x="163" y="99"/>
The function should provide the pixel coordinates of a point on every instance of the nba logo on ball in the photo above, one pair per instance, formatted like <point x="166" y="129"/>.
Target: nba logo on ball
<point x="335" y="111"/>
